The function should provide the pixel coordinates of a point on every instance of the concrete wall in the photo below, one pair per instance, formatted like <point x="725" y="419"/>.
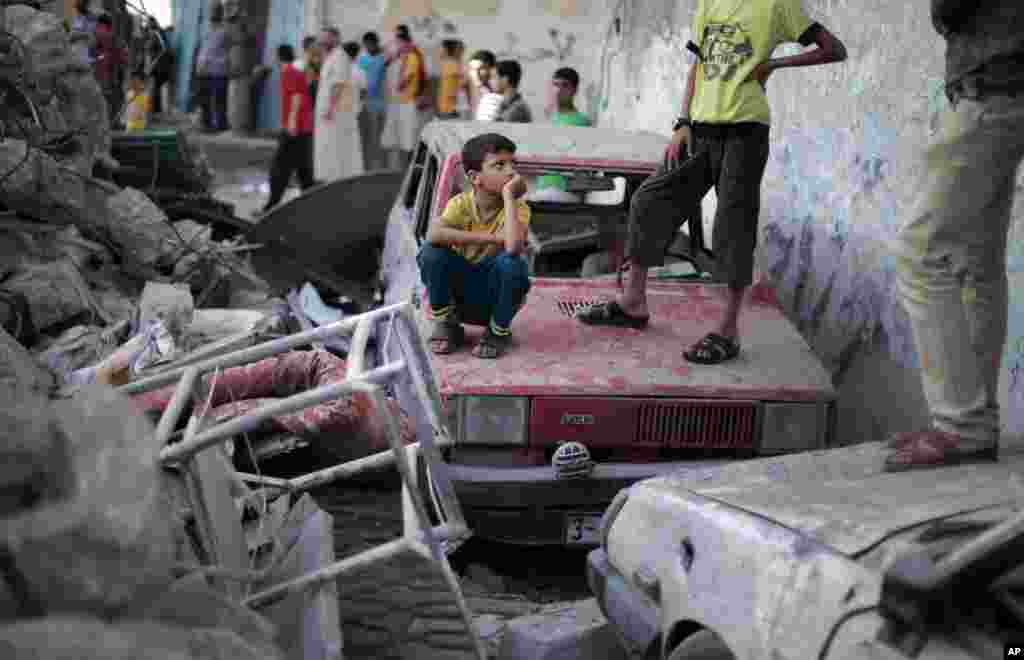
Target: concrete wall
<point x="542" y="34"/>
<point x="846" y="163"/>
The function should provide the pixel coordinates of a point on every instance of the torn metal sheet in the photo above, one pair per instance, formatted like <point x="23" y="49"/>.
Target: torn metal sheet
<point x="328" y="235"/>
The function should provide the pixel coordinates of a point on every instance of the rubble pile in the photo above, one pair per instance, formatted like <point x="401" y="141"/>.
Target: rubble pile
<point x="105" y="549"/>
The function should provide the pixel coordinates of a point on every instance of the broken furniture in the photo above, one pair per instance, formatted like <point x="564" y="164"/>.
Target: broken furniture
<point x="211" y="480"/>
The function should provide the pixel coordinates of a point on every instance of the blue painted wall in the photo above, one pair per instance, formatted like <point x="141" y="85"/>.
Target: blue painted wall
<point x="189" y="29"/>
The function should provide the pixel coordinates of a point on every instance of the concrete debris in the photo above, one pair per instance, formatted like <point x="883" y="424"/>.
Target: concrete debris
<point x="19" y="370"/>
<point x="170" y="304"/>
<point x="64" y="88"/>
<point x="56" y="293"/>
<point x="81" y="346"/>
<point x="569" y="631"/>
<point x="59" y="637"/>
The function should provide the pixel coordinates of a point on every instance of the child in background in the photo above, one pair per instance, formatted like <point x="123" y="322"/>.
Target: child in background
<point x="453" y="79"/>
<point x="136" y="104"/>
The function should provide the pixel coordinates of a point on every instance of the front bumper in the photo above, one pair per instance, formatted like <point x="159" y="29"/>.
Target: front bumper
<point x="632" y="615"/>
<point x="531" y="506"/>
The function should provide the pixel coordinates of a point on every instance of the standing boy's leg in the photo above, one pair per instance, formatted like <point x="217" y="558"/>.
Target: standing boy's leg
<point x="738" y="159"/>
<point x="656" y="211"/>
<point x="951" y="276"/>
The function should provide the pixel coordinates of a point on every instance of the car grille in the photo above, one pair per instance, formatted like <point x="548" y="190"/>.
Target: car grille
<point x="652" y="424"/>
<point x="697" y="424"/>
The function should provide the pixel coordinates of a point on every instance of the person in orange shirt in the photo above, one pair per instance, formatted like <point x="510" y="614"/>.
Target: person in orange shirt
<point x="453" y="79"/>
<point x="402" y="124"/>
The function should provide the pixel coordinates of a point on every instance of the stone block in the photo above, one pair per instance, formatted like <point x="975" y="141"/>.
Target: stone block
<point x="569" y="631"/>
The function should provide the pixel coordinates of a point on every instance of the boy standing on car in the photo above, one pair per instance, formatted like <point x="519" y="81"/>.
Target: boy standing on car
<point x="725" y="121"/>
<point x="473" y="257"/>
<point x="951" y="265"/>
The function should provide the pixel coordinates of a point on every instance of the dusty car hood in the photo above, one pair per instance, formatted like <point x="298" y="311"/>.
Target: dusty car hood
<point x="843" y="499"/>
<point x="555" y="355"/>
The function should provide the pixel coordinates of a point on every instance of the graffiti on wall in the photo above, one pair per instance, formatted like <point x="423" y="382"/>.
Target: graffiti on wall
<point x="562" y="47"/>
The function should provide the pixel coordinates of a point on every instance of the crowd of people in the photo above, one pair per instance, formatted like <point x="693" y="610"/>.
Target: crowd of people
<point x="132" y="72"/>
<point x="353" y="107"/>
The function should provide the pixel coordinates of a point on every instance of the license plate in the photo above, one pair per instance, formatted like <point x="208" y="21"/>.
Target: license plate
<point x="583" y="529"/>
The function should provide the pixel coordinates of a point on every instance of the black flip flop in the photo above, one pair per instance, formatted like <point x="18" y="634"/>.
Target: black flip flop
<point x="492" y="346"/>
<point x="611" y="314"/>
<point x="713" y="349"/>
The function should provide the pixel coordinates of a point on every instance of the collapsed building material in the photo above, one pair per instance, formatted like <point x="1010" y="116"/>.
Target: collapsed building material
<point x="343" y="428"/>
<point x="88" y="535"/>
<point x="56" y="293"/>
<point x="305" y="543"/>
<point x="84" y="638"/>
<point x="17" y="368"/>
<point x="67" y="101"/>
<point x="169" y="304"/>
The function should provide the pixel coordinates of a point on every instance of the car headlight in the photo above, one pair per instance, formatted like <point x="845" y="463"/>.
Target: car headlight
<point x="610" y="514"/>
<point x="789" y="427"/>
<point x="491" y="420"/>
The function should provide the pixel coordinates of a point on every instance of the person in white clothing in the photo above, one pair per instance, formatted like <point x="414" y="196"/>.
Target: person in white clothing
<point x="338" y="150"/>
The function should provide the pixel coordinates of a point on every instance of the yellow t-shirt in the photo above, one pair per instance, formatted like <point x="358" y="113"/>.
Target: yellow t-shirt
<point x="461" y="214"/>
<point x="734" y="37"/>
<point x="451" y="81"/>
<point x="137" y="106"/>
<point x="410" y="67"/>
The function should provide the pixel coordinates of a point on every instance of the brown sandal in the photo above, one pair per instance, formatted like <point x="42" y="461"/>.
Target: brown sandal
<point x="491" y="346"/>
<point x="931" y="448"/>
<point x="446" y="338"/>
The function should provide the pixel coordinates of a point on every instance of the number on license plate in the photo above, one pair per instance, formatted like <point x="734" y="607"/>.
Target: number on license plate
<point x="583" y="529"/>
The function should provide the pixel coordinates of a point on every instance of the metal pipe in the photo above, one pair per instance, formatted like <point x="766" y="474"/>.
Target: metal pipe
<point x="261" y="351"/>
<point x="264" y="480"/>
<point x="250" y="421"/>
<point x="328" y="573"/>
<point x="342" y="567"/>
<point x="325" y="476"/>
<point x="172" y="413"/>
<point x="357" y="350"/>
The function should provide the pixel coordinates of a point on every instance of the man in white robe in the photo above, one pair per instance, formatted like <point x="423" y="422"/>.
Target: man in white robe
<point x="338" y="149"/>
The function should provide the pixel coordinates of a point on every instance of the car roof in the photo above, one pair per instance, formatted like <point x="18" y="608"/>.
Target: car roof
<point x="547" y="141"/>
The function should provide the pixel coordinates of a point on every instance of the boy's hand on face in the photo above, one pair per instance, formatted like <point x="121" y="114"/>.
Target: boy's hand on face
<point x="515" y="188"/>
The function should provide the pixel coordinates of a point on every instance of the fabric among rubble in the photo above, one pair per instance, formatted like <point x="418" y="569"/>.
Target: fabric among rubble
<point x="345" y="427"/>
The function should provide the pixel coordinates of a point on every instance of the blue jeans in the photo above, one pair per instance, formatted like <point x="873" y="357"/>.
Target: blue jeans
<point x="491" y="289"/>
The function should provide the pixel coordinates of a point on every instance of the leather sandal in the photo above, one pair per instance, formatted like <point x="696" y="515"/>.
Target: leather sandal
<point x="446" y="337"/>
<point x="931" y="448"/>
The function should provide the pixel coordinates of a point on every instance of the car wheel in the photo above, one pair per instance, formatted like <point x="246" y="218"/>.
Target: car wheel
<point x="704" y="645"/>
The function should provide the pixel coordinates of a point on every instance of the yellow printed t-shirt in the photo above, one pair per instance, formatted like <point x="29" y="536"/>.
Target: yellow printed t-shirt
<point x="461" y="214"/>
<point x="137" y="106"/>
<point x="734" y="37"/>
<point x="451" y="81"/>
<point x="411" y="68"/>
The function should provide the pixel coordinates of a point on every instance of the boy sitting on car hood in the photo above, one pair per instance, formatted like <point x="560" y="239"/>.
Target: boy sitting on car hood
<point x="472" y="263"/>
